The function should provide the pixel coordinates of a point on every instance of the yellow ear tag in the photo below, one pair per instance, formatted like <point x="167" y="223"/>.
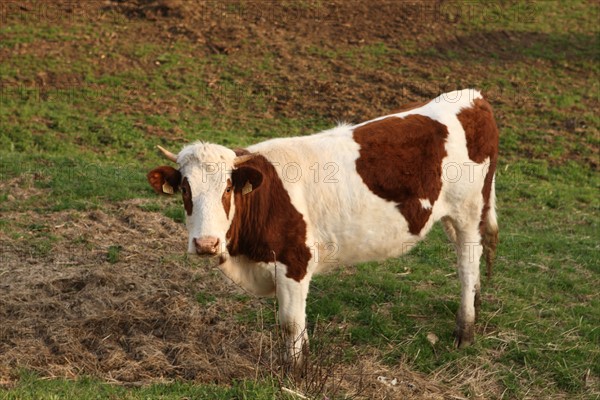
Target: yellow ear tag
<point x="167" y="188"/>
<point x="247" y="188"/>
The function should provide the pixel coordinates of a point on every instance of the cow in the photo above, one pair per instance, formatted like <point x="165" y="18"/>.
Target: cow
<point x="276" y="213"/>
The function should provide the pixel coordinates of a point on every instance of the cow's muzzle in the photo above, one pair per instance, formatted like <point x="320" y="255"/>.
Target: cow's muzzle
<point x="207" y="245"/>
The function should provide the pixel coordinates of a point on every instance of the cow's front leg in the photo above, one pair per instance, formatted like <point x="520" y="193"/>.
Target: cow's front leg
<point x="469" y="252"/>
<point x="291" y="296"/>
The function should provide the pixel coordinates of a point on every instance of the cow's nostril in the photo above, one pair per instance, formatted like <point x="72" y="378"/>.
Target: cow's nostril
<point x="207" y="245"/>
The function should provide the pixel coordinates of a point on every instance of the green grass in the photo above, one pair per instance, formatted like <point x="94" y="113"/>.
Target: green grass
<point x="31" y="387"/>
<point x="64" y="182"/>
<point x="113" y="253"/>
<point x="91" y="144"/>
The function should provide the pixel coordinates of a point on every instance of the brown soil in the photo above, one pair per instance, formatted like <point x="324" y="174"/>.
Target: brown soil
<point x="288" y="32"/>
<point x="339" y="60"/>
<point x="313" y="58"/>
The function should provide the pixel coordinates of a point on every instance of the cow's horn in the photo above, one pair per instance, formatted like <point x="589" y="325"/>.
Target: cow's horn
<point x="242" y="159"/>
<point x="168" y="154"/>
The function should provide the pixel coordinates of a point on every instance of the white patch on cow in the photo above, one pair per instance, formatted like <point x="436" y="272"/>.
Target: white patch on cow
<point x="207" y="167"/>
<point x="440" y="108"/>
<point x="426" y="204"/>
<point x="253" y="277"/>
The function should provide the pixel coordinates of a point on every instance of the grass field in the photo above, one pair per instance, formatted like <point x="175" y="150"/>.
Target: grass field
<point x="88" y="91"/>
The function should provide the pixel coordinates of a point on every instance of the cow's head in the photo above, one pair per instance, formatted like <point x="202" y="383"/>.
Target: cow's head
<point x="209" y="177"/>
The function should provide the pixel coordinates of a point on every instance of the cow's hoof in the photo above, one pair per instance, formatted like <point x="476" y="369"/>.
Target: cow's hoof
<point x="294" y="370"/>
<point x="294" y="366"/>
<point x="464" y="336"/>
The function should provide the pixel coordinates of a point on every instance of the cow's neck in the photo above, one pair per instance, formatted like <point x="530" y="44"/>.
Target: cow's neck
<point x="266" y="226"/>
<point x="250" y="276"/>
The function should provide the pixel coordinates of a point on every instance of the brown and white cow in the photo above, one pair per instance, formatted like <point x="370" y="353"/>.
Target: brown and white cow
<point x="280" y="211"/>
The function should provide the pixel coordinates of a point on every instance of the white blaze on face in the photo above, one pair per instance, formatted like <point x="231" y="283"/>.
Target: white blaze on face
<point x="207" y="168"/>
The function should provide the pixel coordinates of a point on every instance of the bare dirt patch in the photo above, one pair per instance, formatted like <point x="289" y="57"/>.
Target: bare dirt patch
<point x="308" y="50"/>
<point x="73" y="310"/>
<point x="148" y="314"/>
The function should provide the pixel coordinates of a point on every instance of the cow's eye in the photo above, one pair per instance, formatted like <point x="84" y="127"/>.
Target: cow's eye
<point x="183" y="190"/>
<point x="228" y="189"/>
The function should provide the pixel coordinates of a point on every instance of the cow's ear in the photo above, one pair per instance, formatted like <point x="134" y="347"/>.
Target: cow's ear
<point x="246" y="179"/>
<point x="164" y="179"/>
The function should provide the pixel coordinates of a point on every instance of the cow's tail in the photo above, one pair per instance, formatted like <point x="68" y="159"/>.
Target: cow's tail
<point x="489" y="223"/>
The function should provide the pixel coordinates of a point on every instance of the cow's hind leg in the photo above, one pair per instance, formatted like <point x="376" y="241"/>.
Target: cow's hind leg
<point x="448" y="226"/>
<point x="291" y="296"/>
<point x="469" y="249"/>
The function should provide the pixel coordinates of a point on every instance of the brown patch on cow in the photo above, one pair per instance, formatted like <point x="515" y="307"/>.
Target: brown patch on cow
<point x="266" y="227"/>
<point x="477" y="302"/>
<point x="480" y="130"/>
<point x="226" y="198"/>
<point x="482" y="143"/>
<point x="164" y="174"/>
<point x="186" y="194"/>
<point x="401" y="161"/>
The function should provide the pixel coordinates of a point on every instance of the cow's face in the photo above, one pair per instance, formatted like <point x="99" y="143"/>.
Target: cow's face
<point x="209" y="178"/>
